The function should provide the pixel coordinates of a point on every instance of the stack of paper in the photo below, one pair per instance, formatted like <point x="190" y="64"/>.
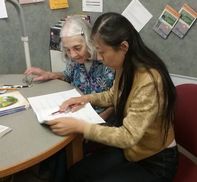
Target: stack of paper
<point x="12" y="102"/>
<point x="45" y="105"/>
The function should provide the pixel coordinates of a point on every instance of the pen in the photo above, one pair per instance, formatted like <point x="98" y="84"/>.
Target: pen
<point x="8" y="88"/>
<point x="55" y="112"/>
<point x="16" y="86"/>
<point x="66" y="111"/>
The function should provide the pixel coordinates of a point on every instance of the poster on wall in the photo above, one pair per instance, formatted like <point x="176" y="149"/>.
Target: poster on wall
<point x="166" y="21"/>
<point x="58" y="4"/>
<point x="3" y="11"/>
<point x="186" y="20"/>
<point x="137" y="14"/>
<point x="92" y="5"/>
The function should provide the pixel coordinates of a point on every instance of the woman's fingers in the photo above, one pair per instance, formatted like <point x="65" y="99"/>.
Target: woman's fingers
<point x="72" y="104"/>
<point x="76" y="107"/>
<point x="64" y="125"/>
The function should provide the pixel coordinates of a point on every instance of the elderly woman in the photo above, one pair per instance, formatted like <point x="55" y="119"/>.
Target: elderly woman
<point x="82" y="69"/>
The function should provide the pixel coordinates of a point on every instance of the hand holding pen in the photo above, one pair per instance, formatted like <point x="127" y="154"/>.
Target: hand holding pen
<point x="71" y="105"/>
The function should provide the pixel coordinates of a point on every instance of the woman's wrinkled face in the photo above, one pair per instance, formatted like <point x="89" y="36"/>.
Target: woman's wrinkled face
<point x="76" y="48"/>
<point x="111" y="57"/>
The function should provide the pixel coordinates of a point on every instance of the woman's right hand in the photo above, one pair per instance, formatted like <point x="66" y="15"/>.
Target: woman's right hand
<point x="73" y="104"/>
<point x="40" y="74"/>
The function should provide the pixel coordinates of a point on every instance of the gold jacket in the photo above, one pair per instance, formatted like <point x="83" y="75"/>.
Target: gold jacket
<point x="140" y="136"/>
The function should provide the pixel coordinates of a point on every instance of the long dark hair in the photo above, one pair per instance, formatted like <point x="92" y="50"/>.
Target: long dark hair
<point x="113" y="29"/>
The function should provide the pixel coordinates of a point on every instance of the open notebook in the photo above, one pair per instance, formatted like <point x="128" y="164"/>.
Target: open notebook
<point x="45" y="105"/>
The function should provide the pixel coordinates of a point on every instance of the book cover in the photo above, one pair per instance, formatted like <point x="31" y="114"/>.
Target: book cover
<point x="186" y="20"/>
<point x="12" y="102"/>
<point x="45" y="106"/>
<point x="166" y="21"/>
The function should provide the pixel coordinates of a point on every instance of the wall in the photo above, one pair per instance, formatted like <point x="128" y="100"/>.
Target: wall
<point x="178" y="54"/>
<point x="180" y="79"/>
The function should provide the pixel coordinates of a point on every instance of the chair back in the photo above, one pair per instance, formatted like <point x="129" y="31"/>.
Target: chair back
<point x="185" y="126"/>
<point x="186" y="117"/>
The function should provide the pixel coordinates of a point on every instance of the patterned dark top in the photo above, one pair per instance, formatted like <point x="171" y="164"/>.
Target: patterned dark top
<point x="99" y="77"/>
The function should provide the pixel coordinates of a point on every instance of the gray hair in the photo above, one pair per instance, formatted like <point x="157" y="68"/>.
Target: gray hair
<point x="75" y="25"/>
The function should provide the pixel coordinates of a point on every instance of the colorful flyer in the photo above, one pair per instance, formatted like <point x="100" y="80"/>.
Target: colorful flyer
<point x="166" y="21"/>
<point x="186" y="20"/>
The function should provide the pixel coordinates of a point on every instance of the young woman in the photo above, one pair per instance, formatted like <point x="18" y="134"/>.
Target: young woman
<point x="141" y="144"/>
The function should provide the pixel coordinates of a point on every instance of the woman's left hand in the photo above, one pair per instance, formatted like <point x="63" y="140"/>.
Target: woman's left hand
<point x="66" y="125"/>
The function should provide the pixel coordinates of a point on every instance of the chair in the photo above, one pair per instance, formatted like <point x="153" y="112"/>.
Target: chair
<point x="186" y="131"/>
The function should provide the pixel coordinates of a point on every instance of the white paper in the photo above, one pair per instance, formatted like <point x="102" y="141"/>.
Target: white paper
<point x="92" y="5"/>
<point x="4" y="130"/>
<point x="3" y="11"/>
<point x="44" y="105"/>
<point x="137" y="14"/>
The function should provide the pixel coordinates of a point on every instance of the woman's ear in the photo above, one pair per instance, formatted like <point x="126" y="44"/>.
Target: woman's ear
<point x="124" y="46"/>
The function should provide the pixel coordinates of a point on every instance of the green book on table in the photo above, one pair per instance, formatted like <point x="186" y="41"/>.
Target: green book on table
<point x="12" y="102"/>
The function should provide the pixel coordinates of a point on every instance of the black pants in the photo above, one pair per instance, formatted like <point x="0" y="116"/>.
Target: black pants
<point x="110" y="165"/>
<point x="56" y="167"/>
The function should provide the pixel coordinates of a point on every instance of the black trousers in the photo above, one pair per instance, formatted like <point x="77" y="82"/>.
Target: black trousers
<point x="110" y="165"/>
<point x="56" y="167"/>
